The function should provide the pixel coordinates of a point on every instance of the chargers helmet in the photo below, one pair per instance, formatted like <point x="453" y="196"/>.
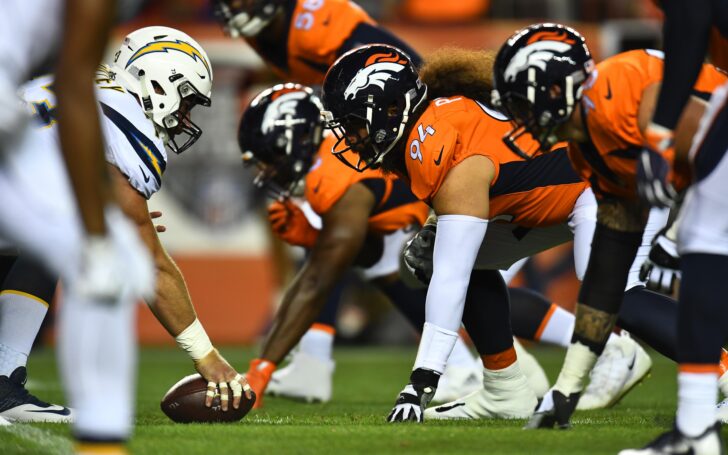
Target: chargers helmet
<point x="246" y="18"/>
<point x="538" y="77"/>
<point x="170" y="73"/>
<point x="370" y="93"/>
<point x="280" y="132"/>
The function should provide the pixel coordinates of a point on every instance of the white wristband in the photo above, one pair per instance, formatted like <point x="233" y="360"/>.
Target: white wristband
<point x="194" y="340"/>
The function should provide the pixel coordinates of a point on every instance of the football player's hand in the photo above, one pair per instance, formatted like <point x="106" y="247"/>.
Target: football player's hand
<point x="116" y="263"/>
<point x="290" y="224"/>
<point x="159" y="227"/>
<point x="417" y="254"/>
<point x="653" y="167"/>
<point x="414" y="398"/>
<point x="661" y="270"/>
<point x="258" y="376"/>
<point x="220" y="376"/>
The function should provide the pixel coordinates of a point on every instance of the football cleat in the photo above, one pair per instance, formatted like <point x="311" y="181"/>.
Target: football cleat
<point x="415" y="397"/>
<point x="4" y="422"/>
<point x="306" y="378"/>
<point x="675" y="443"/>
<point x="457" y="382"/>
<point x="622" y="366"/>
<point x="722" y="411"/>
<point x="505" y="394"/>
<point x="533" y="371"/>
<point x="554" y="410"/>
<point x="19" y="405"/>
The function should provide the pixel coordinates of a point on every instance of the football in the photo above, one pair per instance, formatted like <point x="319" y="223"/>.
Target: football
<point x="185" y="403"/>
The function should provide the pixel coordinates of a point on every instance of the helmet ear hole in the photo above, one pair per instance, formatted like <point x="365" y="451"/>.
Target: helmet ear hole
<point x="158" y="88"/>
<point x="555" y="92"/>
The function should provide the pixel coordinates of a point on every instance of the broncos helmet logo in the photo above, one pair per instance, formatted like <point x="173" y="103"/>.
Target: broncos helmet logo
<point x="537" y="54"/>
<point x="378" y="69"/>
<point x="282" y="108"/>
<point x="166" y="46"/>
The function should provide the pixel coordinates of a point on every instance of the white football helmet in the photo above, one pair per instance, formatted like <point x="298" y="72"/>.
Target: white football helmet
<point x="170" y="73"/>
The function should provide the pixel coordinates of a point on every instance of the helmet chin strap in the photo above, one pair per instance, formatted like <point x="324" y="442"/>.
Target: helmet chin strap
<point x="403" y="124"/>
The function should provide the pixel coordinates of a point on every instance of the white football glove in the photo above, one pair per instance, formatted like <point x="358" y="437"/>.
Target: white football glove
<point x="661" y="270"/>
<point x="117" y="263"/>
<point x="414" y="398"/>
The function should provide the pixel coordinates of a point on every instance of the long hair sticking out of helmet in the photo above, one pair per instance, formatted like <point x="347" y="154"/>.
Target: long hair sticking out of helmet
<point x="452" y="71"/>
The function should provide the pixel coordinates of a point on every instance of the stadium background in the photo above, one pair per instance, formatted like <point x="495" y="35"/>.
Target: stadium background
<point x="217" y="231"/>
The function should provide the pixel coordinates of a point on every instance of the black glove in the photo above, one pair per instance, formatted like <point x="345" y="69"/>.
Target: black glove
<point x="417" y="254"/>
<point x="652" y="184"/>
<point x="414" y="398"/>
<point x="661" y="270"/>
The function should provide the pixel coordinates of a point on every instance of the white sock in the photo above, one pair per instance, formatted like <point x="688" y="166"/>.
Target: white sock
<point x="435" y="347"/>
<point x="462" y="357"/>
<point x="578" y="363"/>
<point x="557" y="327"/>
<point x="97" y="355"/>
<point x="21" y="315"/>
<point x="318" y="341"/>
<point x="696" y="398"/>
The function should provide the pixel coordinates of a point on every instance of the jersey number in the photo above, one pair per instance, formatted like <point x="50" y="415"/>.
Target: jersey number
<point x="415" y="152"/>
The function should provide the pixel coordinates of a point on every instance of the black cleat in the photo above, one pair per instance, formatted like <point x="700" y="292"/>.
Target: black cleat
<point x="675" y="443"/>
<point x="554" y="410"/>
<point x="19" y="405"/>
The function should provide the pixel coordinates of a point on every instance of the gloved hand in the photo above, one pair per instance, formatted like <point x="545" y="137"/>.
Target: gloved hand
<point x="417" y="254"/>
<point x="258" y="377"/>
<point x="116" y="263"/>
<point x="654" y="167"/>
<point x="414" y="398"/>
<point x="290" y="224"/>
<point x="661" y="270"/>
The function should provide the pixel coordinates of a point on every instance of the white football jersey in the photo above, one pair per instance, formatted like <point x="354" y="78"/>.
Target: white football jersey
<point x="131" y="143"/>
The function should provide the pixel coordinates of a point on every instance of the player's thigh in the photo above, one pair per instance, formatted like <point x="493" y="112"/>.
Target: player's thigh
<point x="505" y="244"/>
<point x="704" y="215"/>
<point x="37" y="208"/>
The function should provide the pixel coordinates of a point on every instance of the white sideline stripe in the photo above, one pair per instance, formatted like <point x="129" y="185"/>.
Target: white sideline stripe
<point x="48" y="442"/>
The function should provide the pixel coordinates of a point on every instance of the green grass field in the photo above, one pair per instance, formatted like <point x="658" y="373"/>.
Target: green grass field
<point x="366" y="383"/>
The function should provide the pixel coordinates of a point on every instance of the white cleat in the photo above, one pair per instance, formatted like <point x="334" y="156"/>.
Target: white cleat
<point x="457" y="382"/>
<point x="532" y="370"/>
<point x="722" y="411"/>
<point x="4" y="422"/>
<point x="306" y="378"/>
<point x="505" y="395"/>
<point x="622" y="366"/>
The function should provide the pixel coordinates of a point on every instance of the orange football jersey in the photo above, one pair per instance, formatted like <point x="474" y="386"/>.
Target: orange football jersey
<point x="329" y="179"/>
<point x="610" y="107"/>
<point x="317" y="30"/>
<point x="538" y="192"/>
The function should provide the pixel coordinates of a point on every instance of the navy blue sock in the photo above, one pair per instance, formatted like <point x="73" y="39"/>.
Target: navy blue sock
<point x="487" y="315"/>
<point x="409" y="302"/>
<point x="528" y="310"/>
<point x="329" y="311"/>
<point x="652" y="317"/>
<point x="702" y="310"/>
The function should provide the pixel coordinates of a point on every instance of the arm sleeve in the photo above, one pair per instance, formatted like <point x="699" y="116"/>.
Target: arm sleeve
<point x="686" y="32"/>
<point x="457" y="244"/>
<point x="365" y="33"/>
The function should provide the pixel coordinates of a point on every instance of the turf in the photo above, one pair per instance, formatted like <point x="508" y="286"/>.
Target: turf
<point x="366" y="383"/>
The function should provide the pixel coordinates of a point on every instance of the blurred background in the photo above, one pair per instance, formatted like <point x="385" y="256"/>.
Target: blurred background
<point x="216" y="228"/>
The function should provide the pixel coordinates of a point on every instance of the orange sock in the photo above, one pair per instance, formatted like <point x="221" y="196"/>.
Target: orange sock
<point x="500" y="360"/>
<point x="258" y="376"/>
<point x="723" y="365"/>
<point x="323" y="328"/>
